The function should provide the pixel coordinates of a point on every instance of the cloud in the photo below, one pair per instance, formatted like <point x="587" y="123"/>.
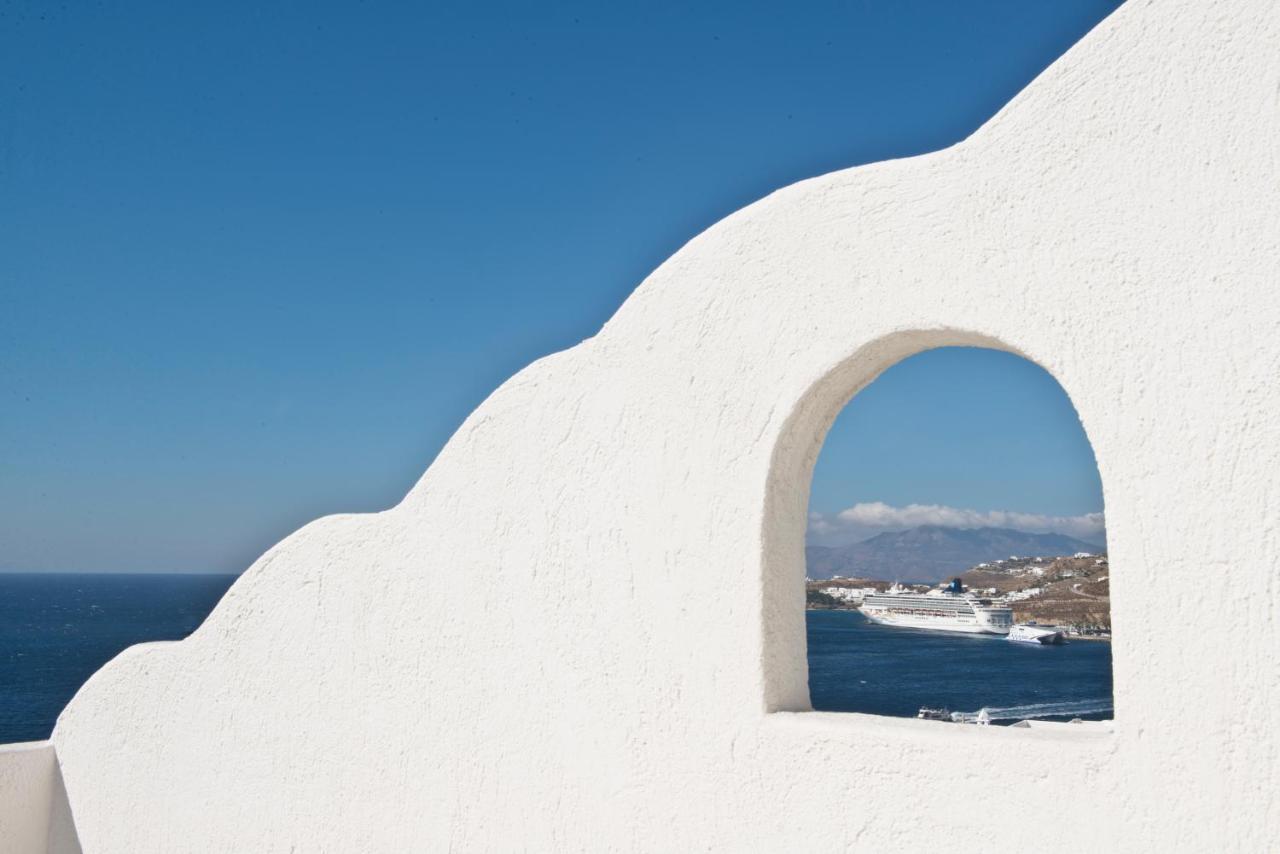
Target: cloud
<point x="819" y="524"/>
<point x="871" y="517"/>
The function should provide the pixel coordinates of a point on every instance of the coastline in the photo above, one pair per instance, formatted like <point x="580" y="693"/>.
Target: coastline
<point x="1070" y="637"/>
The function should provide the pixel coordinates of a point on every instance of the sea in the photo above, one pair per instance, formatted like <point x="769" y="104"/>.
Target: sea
<point x="57" y="629"/>
<point x="856" y="665"/>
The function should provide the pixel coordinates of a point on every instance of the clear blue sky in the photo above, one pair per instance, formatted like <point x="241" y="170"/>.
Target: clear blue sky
<point x="957" y="429"/>
<point x="258" y="261"/>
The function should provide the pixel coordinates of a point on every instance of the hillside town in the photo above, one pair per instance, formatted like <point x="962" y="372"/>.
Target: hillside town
<point x="1071" y="592"/>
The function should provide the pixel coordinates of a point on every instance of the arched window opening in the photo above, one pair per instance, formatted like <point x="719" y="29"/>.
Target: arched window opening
<point x="955" y="553"/>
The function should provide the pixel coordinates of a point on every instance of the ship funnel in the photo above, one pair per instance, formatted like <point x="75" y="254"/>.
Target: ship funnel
<point x="955" y="586"/>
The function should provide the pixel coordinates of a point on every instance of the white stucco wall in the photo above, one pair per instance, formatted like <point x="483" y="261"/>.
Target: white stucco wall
<point x="26" y="795"/>
<point x="34" y="815"/>
<point x="535" y="648"/>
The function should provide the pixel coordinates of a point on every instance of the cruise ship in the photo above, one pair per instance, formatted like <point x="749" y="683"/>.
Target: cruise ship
<point x="948" y="610"/>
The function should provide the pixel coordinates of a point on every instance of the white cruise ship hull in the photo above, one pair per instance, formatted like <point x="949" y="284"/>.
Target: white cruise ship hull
<point x="936" y="624"/>
<point x="938" y="611"/>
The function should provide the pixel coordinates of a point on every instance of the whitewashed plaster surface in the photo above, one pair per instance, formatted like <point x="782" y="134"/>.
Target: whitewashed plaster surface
<point x="582" y="630"/>
<point x="26" y="793"/>
<point x="34" y="813"/>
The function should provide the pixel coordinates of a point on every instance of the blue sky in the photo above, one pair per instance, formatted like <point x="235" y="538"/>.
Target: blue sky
<point x="258" y="262"/>
<point x="957" y="436"/>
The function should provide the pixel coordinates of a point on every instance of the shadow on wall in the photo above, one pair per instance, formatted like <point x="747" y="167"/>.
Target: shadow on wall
<point x="63" y="838"/>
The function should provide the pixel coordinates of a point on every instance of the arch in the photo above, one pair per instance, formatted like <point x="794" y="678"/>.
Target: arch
<point x="784" y="661"/>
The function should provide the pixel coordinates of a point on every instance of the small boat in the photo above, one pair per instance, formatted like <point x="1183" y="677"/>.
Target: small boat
<point x="928" y="714"/>
<point x="1031" y="633"/>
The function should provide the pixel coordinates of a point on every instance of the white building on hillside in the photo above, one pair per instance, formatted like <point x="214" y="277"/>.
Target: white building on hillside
<point x="849" y="594"/>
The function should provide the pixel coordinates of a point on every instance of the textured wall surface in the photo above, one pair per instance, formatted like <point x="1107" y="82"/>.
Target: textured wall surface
<point x="520" y="654"/>
<point x="26" y="794"/>
<point x="34" y="813"/>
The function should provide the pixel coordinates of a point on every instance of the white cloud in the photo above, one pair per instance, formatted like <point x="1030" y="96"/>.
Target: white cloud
<point x="819" y="524"/>
<point x="874" y="516"/>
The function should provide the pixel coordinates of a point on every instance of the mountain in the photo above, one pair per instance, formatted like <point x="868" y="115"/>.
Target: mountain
<point x="932" y="553"/>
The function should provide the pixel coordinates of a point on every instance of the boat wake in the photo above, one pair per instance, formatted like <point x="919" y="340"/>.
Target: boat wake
<point x="1071" y="708"/>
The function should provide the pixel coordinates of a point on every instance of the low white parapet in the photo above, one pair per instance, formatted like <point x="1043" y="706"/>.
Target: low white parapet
<point x="34" y="815"/>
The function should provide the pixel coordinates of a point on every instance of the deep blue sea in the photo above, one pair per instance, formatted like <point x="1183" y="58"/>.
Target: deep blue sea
<point x="56" y="630"/>
<point x="858" y="666"/>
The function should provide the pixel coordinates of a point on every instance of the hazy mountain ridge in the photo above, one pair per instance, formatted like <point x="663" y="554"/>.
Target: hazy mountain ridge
<point x="931" y="552"/>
